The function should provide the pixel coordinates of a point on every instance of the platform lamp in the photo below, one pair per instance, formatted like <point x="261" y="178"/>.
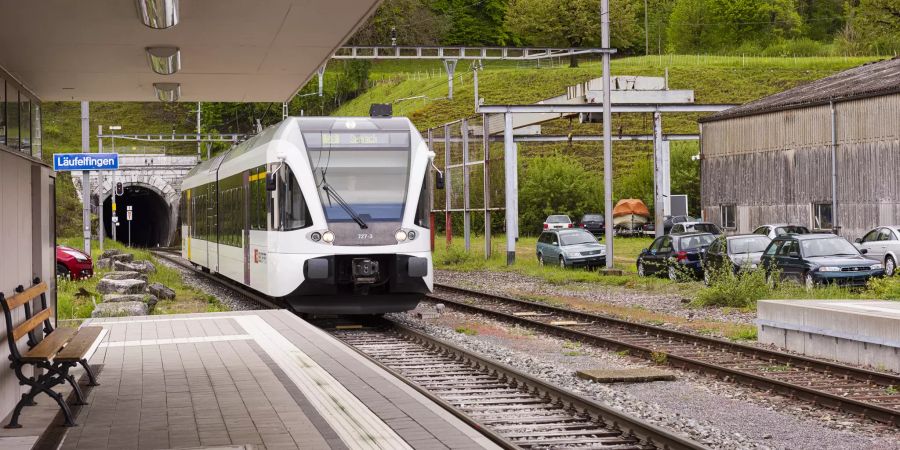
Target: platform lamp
<point x="114" y="218"/>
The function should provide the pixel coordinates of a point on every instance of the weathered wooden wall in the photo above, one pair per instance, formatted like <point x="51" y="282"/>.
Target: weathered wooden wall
<point x="774" y="166"/>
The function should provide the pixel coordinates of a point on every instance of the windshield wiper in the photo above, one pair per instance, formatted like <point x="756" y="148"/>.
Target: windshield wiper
<point x="333" y="195"/>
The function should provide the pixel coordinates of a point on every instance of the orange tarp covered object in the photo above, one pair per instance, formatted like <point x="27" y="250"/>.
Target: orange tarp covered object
<point x="630" y="206"/>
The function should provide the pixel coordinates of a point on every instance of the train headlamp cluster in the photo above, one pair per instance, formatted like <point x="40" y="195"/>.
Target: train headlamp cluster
<point x="404" y="235"/>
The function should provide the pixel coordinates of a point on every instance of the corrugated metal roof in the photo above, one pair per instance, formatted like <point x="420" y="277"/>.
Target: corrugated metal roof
<point x="868" y="80"/>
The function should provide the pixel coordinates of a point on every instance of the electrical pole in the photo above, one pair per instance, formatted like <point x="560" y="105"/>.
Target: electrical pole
<point x="607" y="132"/>
<point x="86" y="176"/>
<point x="198" y="130"/>
<point x="101" y="231"/>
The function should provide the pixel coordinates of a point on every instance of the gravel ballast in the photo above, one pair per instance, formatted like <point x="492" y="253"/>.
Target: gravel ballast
<point x="230" y="299"/>
<point x="511" y="283"/>
<point x="721" y="415"/>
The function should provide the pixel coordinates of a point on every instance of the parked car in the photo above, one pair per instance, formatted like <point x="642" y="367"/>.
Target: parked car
<point x="673" y="254"/>
<point x="695" y="227"/>
<point x="670" y="221"/>
<point x="570" y="248"/>
<point x="882" y="244"/>
<point x="780" y="229"/>
<point x="74" y="264"/>
<point x="556" y="222"/>
<point x="739" y="252"/>
<point x="814" y="259"/>
<point x="593" y="223"/>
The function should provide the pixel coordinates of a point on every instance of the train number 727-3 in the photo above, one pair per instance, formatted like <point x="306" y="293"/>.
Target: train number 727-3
<point x="364" y="236"/>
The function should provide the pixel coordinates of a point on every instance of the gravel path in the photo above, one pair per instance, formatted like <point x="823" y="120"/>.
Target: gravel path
<point x="230" y="299"/>
<point x="513" y="283"/>
<point x="721" y="415"/>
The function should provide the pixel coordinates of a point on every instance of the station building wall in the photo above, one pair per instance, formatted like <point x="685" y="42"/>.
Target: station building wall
<point x="775" y="167"/>
<point x="27" y="217"/>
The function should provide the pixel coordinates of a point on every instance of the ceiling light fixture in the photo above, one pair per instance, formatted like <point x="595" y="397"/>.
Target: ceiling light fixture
<point x="164" y="60"/>
<point x="168" y="92"/>
<point x="158" y="14"/>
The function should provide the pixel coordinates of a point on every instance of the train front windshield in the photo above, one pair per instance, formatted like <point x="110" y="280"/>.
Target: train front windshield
<point x="361" y="176"/>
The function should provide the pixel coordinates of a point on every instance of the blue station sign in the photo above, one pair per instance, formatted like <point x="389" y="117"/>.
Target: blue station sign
<point x="85" y="161"/>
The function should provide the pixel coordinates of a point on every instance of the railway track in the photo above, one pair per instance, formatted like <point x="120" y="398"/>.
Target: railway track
<point x="509" y="407"/>
<point x="517" y="410"/>
<point x="867" y="393"/>
<point x="173" y="256"/>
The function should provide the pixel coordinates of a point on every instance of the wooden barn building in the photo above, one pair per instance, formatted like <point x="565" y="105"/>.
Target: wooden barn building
<point x="825" y="155"/>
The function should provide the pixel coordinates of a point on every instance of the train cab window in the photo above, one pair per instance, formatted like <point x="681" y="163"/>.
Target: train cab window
<point x="294" y="212"/>
<point x="423" y="210"/>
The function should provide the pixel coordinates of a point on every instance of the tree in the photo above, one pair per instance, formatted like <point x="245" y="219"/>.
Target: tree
<point x="556" y="184"/>
<point x="706" y="26"/>
<point x="574" y="23"/>
<point x="473" y="22"/>
<point x="415" y="22"/>
<point x="877" y="22"/>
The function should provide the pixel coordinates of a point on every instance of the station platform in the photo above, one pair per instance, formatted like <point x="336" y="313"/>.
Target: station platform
<point x="250" y="379"/>
<point x="861" y="332"/>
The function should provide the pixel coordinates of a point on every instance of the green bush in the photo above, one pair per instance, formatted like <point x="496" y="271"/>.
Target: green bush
<point x="726" y="288"/>
<point x="556" y="184"/>
<point x="798" y="47"/>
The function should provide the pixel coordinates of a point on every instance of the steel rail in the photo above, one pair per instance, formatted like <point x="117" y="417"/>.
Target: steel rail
<point x="808" y="365"/>
<point x="256" y="297"/>
<point x="616" y="420"/>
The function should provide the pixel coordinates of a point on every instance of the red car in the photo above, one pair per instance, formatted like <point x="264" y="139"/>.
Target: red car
<point x="74" y="264"/>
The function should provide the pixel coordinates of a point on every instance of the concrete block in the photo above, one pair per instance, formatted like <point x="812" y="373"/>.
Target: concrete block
<point x="625" y="375"/>
<point x="771" y="335"/>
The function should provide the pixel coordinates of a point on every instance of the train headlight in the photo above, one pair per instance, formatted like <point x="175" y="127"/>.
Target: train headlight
<point x="316" y="236"/>
<point x="400" y="235"/>
<point x="411" y="235"/>
<point x="328" y="237"/>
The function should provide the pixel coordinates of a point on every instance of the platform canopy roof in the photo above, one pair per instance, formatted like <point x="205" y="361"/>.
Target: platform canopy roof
<point x="231" y="50"/>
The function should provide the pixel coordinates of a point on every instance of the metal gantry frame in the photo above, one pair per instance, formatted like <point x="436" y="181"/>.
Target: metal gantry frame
<point x="452" y="55"/>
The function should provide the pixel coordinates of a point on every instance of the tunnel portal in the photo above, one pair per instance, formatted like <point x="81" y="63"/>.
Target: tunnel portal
<point x="151" y="217"/>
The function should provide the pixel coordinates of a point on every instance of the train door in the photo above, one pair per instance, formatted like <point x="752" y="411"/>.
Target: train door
<point x="214" y="232"/>
<point x="245" y="228"/>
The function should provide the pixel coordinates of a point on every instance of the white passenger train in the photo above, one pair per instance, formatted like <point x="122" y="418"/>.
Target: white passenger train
<point x="329" y="214"/>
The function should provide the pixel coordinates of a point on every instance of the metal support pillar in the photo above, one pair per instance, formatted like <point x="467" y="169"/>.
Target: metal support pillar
<point x="86" y="176"/>
<point x="450" y="68"/>
<point x="658" y="200"/>
<point x="467" y="215"/>
<point x="486" y="143"/>
<point x="834" y="172"/>
<point x="448" y="188"/>
<point x="114" y="219"/>
<point x="284" y="110"/>
<point x="198" y="129"/>
<point x="511" y="167"/>
<point x="320" y="72"/>
<point x="100" y="226"/>
<point x="607" y="133"/>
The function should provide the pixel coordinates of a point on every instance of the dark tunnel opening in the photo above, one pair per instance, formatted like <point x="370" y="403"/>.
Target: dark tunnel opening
<point x="150" y="217"/>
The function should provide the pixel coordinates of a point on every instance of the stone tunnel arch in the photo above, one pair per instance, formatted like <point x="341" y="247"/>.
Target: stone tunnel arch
<point x="155" y="206"/>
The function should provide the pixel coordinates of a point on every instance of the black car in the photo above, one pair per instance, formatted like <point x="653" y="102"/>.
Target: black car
<point x="674" y="254"/>
<point x="813" y="259"/>
<point x="739" y="252"/>
<point x="593" y="223"/>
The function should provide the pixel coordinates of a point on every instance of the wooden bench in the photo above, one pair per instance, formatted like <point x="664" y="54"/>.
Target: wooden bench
<point x="52" y="352"/>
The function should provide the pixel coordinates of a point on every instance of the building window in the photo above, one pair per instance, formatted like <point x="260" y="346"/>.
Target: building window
<point x="822" y="218"/>
<point x="728" y="214"/>
<point x="12" y="117"/>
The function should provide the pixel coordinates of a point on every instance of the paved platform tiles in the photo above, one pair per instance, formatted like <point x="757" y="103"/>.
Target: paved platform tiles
<point x="263" y="379"/>
<point x="862" y="332"/>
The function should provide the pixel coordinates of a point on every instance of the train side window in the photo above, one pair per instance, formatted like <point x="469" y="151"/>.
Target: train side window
<point x="423" y="211"/>
<point x="294" y="212"/>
